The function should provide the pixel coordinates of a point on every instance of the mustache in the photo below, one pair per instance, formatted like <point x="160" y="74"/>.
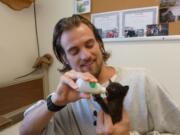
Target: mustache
<point x="86" y="61"/>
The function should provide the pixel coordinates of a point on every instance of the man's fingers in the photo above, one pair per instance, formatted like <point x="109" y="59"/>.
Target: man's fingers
<point x="108" y="124"/>
<point x="85" y="76"/>
<point x="84" y="95"/>
<point x="66" y="80"/>
<point x="104" y="123"/>
<point x="100" y="122"/>
<point x="107" y="120"/>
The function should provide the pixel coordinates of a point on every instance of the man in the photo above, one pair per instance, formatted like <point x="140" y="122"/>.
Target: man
<point x="78" y="46"/>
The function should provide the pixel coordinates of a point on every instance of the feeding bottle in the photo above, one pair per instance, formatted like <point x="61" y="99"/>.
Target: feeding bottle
<point x="90" y="87"/>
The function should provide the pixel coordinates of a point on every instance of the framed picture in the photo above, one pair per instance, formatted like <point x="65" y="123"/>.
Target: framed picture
<point x="157" y="29"/>
<point x="82" y="6"/>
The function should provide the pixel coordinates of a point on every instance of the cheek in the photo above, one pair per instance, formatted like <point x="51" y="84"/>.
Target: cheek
<point x="99" y="54"/>
<point x="73" y="61"/>
<point x="96" y="50"/>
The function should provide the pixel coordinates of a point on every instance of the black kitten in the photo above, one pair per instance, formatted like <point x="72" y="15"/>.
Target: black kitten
<point x="115" y="97"/>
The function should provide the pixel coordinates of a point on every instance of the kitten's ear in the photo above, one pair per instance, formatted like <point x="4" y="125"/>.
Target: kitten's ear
<point x="110" y="81"/>
<point x="126" y="88"/>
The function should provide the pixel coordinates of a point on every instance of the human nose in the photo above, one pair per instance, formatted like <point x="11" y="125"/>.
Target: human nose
<point x="85" y="54"/>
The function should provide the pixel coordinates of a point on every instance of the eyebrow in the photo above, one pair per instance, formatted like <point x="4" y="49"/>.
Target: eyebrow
<point x="89" y="41"/>
<point x="71" y="48"/>
<point x="74" y="47"/>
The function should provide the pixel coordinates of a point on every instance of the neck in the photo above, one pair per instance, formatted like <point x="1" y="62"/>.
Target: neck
<point x="106" y="73"/>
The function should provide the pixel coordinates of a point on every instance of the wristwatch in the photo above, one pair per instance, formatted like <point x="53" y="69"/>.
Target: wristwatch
<point x="52" y="107"/>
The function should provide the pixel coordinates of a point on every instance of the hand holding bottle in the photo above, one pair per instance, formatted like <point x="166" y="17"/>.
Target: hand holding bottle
<point x="68" y="91"/>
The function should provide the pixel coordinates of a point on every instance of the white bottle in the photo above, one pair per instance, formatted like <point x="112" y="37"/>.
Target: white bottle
<point x="90" y="87"/>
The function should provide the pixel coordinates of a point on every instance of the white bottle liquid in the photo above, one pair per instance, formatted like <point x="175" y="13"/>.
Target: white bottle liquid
<point x="90" y="87"/>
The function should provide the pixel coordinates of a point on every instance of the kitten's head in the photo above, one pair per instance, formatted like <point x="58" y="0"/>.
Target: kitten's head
<point x="116" y="90"/>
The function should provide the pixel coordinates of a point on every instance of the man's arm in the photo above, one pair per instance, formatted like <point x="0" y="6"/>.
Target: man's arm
<point x="36" y="120"/>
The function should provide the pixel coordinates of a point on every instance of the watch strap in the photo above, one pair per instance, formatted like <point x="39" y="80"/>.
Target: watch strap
<point x="52" y="107"/>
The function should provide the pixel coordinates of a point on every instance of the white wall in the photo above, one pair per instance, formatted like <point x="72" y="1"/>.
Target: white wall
<point x="18" y="49"/>
<point x="162" y="58"/>
<point x="48" y="13"/>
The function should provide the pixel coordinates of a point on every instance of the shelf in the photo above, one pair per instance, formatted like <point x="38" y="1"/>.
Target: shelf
<point x="152" y="38"/>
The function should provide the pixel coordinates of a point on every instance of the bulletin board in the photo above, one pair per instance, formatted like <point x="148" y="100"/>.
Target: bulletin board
<point x="99" y="6"/>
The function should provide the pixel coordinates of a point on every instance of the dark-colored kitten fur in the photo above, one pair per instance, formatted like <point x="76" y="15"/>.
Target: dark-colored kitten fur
<point x="115" y="97"/>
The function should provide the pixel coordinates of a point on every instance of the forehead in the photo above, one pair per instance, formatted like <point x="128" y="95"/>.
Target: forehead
<point x="77" y="35"/>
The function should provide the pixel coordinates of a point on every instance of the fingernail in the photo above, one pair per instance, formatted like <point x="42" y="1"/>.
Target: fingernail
<point x="74" y="86"/>
<point x="84" y="95"/>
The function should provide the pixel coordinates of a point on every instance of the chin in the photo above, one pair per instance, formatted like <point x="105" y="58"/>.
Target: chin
<point x="93" y="72"/>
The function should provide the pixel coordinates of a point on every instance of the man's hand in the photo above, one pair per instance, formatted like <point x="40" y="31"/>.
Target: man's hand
<point x="106" y="127"/>
<point x="66" y="91"/>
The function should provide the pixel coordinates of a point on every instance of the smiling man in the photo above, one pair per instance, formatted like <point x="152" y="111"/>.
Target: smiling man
<point x="148" y="110"/>
<point x="82" y="51"/>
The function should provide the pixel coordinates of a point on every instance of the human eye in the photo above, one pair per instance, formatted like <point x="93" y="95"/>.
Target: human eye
<point x="73" y="51"/>
<point x="90" y="44"/>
